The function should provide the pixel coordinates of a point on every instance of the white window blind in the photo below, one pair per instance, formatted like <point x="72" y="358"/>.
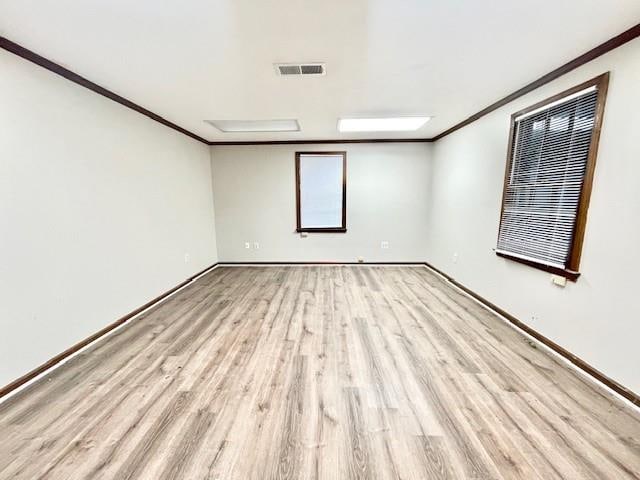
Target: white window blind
<point x="545" y="179"/>
<point x="321" y="191"/>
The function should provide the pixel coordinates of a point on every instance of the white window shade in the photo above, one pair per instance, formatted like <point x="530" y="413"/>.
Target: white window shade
<point x="545" y="177"/>
<point x="321" y="191"/>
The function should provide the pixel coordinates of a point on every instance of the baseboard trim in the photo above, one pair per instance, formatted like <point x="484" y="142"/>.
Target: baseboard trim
<point x="222" y="264"/>
<point x="80" y="345"/>
<point x="597" y="375"/>
<point x="575" y="360"/>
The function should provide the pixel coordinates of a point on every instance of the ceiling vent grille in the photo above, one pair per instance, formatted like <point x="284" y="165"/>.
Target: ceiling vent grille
<point x="300" y="69"/>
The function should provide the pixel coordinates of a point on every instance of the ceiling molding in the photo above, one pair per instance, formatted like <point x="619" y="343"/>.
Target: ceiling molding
<point x="27" y="54"/>
<point x="592" y="54"/>
<point x="611" y="44"/>
<point x="331" y="141"/>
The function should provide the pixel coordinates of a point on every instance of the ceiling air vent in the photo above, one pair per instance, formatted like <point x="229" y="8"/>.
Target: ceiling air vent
<point x="300" y="68"/>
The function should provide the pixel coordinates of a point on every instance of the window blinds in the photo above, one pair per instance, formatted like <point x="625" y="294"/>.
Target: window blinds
<point x="545" y="177"/>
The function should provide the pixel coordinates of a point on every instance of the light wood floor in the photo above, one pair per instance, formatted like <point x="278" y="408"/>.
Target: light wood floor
<point x="323" y="373"/>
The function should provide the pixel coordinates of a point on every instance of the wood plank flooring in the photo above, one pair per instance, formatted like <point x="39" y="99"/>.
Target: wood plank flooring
<point x="328" y="372"/>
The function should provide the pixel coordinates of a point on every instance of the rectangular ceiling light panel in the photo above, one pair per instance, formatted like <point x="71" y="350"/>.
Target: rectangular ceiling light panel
<point x="390" y="124"/>
<point x="234" y="126"/>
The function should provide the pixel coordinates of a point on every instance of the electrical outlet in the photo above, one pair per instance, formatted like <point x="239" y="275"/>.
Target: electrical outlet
<point x="256" y="245"/>
<point x="187" y="258"/>
<point x="559" y="280"/>
<point x="247" y="245"/>
<point x="455" y="257"/>
<point x="384" y="244"/>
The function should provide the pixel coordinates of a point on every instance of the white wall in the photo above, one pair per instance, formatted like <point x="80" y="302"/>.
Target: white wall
<point x="387" y="198"/>
<point x="98" y="206"/>
<point x="598" y="317"/>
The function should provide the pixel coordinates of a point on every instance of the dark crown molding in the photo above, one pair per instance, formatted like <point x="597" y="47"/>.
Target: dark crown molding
<point x="27" y="54"/>
<point x="592" y="54"/>
<point x="334" y="141"/>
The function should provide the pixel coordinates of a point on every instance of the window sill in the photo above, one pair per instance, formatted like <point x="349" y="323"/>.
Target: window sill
<point x="563" y="272"/>
<point x="322" y="230"/>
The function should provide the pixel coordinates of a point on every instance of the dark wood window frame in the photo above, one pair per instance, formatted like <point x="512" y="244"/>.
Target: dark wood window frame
<point x="343" y="227"/>
<point x="571" y="272"/>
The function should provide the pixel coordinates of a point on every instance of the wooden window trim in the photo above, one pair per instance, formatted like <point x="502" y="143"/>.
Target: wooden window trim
<point x="571" y="272"/>
<point x="343" y="227"/>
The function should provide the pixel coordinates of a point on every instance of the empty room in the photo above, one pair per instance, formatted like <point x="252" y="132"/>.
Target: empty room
<point x="285" y="239"/>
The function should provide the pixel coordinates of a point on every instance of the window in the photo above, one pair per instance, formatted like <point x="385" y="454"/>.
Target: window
<point x="550" y="166"/>
<point x="321" y="191"/>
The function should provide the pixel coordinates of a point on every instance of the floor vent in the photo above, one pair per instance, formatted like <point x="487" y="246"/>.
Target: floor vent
<point x="300" y="68"/>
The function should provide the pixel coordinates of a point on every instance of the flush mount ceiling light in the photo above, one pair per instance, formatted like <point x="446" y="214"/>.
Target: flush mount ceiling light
<point x="233" y="126"/>
<point x="389" y="124"/>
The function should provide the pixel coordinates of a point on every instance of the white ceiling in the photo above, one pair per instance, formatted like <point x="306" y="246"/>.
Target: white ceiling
<point x="193" y="60"/>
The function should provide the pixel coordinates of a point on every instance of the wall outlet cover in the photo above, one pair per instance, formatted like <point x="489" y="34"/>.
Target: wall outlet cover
<point x="559" y="280"/>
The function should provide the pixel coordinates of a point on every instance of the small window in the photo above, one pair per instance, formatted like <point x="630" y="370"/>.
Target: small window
<point x="550" y="166"/>
<point x="321" y="191"/>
